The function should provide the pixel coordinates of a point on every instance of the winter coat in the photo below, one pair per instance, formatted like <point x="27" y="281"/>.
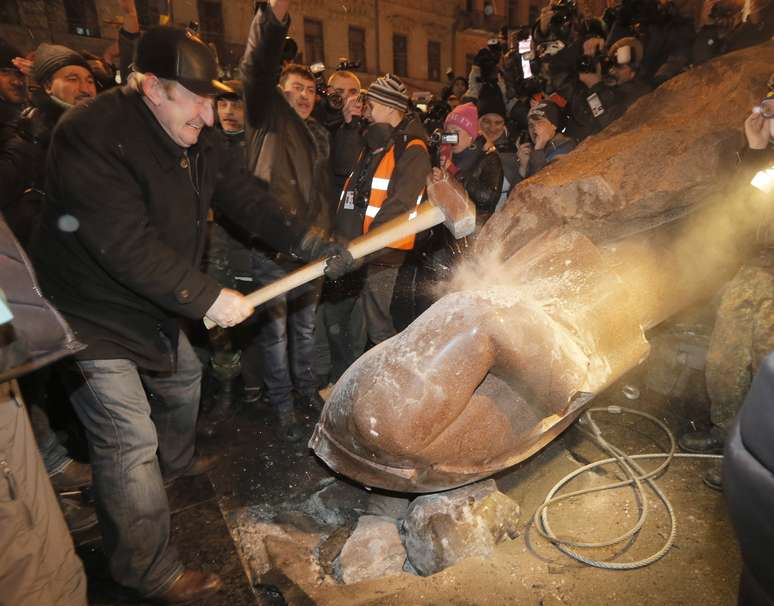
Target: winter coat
<point x="347" y="144"/>
<point x="585" y="102"/>
<point x="555" y="148"/>
<point x="9" y="113"/>
<point x="282" y="149"/>
<point x="124" y="227"/>
<point x="23" y="165"/>
<point x="481" y="174"/>
<point x="629" y="92"/>
<point x="37" y="335"/>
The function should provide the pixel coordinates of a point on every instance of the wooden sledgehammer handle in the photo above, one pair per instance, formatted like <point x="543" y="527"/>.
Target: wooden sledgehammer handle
<point x="427" y="216"/>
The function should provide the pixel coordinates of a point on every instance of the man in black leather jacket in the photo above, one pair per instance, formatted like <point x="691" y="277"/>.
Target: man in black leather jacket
<point x="290" y="150"/>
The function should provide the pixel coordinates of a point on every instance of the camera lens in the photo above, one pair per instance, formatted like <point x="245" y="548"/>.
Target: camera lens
<point x="336" y="101"/>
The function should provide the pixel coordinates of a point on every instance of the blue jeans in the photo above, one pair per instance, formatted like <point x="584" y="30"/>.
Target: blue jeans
<point x="131" y="416"/>
<point x="286" y="335"/>
<point x="34" y="387"/>
<point x="55" y="457"/>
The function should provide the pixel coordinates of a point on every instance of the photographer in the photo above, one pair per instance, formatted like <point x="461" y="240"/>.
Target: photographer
<point x="485" y="76"/>
<point x="667" y="37"/>
<point x="624" y="58"/>
<point x="461" y="154"/>
<point x="593" y="103"/>
<point x="558" y="21"/>
<point x="548" y="143"/>
<point x="344" y="90"/>
<point x="472" y="161"/>
<point x="726" y="26"/>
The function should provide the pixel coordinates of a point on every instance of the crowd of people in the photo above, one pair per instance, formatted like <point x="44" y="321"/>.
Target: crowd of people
<point x="147" y="207"/>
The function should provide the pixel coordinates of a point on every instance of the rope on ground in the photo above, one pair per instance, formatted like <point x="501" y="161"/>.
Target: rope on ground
<point x="635" y="475"/>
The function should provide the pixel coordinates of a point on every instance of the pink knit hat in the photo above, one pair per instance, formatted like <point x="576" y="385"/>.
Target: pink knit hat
<point x="466" y="117"/>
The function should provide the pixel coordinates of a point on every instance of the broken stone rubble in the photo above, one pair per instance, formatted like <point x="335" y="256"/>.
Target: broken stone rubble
<point x="373" y="551"/>
<point x="439" y="529"/>
<point x="442" y="529"/>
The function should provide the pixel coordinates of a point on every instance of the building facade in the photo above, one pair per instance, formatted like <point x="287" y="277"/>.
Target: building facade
<point x="419" y="41"/>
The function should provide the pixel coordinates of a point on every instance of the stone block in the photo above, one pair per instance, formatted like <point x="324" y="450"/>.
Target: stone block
<point x="380" y="504"/>
<point x="442" y="529"/>
<point x="373" y="551"/>
<point x="671" y="150"/>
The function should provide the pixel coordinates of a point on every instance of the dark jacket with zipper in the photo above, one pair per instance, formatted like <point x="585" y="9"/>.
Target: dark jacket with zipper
<point x="289" y="153"/>
<point x="9" y="114"/>
<point x="37" y="334"/>
<point x="481" y="173"/>
<point x="124" y="227"/>
<point x="23" y="165"/>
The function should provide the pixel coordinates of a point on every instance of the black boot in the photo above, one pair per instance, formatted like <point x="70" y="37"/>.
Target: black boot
<point x="714" y="477"/>
<point x="703" y="442"/>
<point x="311" y="400"/>
<point x="290" y="429"/>
<point x="217" y="405"/>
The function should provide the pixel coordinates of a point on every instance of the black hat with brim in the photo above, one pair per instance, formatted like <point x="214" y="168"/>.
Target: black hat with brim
<point x="176" y="54"/>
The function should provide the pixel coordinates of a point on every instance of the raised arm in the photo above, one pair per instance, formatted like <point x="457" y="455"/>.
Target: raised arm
<point x="262" y="59"/>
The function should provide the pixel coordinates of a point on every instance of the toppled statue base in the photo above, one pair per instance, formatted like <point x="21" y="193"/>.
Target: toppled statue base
<point x="485" y="377"/>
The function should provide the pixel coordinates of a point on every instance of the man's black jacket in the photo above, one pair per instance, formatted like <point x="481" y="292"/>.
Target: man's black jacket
<point x="281" y="147"/>
<point x="23" y="165"/>
<point x="124" y="227"/>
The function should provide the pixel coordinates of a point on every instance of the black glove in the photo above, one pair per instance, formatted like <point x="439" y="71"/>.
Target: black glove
<point x="340" y="261"/>
<point x="312" y="246"/>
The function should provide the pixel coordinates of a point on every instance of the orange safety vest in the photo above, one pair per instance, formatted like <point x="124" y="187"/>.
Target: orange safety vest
<point x="380" y="184"/>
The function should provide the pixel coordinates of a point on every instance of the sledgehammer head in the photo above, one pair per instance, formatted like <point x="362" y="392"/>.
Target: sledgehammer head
<point x="448" y="195"/>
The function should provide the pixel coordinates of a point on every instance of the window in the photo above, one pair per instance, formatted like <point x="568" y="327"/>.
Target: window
<point x="82" y="17"/>
<point x="211" y="20"/>
<point x="513" y="13"/>
<point x="9" y="12"/>
<point x="147" y="12"/>
<point x="489" y="9"/>
<point x="434" y="61"/>
<point x="314" y="48"/>
<point x="400" y="54"/>
<point x="357" y="46"/>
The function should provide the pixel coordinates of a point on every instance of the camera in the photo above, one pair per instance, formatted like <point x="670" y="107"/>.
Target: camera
<point x="564" y="12"/>
<point x="437" y="140"/>
<point x="487" y="59"/>
<point x="332" y="101"/>
<point x="345" y="65"/>
<point x="442" y="137"/>
<point x="589" y="65"/>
